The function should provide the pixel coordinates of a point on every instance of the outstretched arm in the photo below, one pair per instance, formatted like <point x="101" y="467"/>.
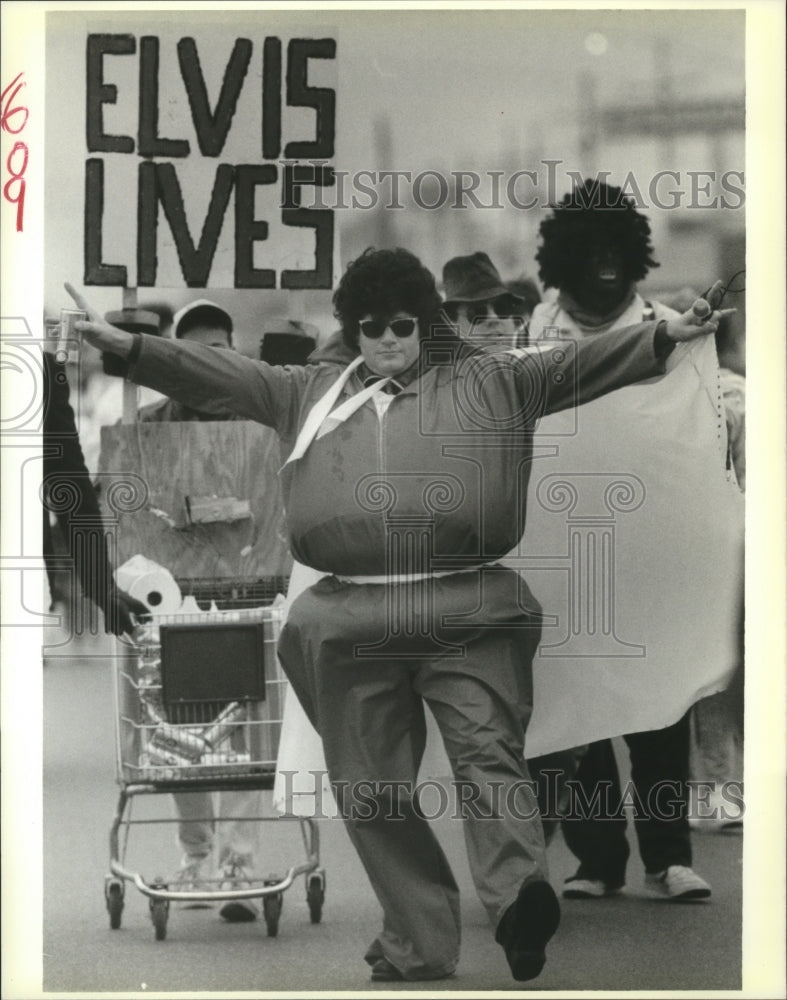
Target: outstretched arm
<point x="98" y="332"/>
<point x="702" y="319"/>
<point x="205" y="378"/>
<point x="570" y="373"/>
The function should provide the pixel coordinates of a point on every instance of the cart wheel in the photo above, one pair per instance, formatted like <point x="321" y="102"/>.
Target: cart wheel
<point x="271" y="907"/>
<point x="113" y="892"/>
<point x="159" y="913"/>
<point x="315" y="896"/>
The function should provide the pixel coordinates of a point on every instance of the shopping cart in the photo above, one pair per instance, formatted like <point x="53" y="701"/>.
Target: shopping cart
<point x="199" y="702"/>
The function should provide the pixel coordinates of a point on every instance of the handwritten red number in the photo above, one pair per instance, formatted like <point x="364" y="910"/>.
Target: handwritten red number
<point x="17" y="178"/>
<point x="8" y="113"/>
<point x="14" y="187"/>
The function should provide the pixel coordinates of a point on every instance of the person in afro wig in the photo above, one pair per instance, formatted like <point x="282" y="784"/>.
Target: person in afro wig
<point x="595" y="248"/>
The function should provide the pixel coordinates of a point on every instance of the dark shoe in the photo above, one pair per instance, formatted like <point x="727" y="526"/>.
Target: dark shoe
<point x="237" y="911"/>
<point x="384" y="972"/>
<point x="526" y="927"/>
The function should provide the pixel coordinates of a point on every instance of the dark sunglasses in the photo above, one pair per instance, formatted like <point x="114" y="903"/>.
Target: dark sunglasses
<point x="502" y="307"/>
<point x="375" y="328"/>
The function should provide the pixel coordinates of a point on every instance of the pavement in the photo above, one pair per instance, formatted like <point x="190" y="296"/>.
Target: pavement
<point x="626" y="943"/>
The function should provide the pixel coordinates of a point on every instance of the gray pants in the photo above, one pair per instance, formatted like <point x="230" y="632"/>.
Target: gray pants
<point x="363" y="659"/>
<point x="238" y="838"/>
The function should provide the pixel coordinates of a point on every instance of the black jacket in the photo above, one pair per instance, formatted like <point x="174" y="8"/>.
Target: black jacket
<point x="68" y="493"/>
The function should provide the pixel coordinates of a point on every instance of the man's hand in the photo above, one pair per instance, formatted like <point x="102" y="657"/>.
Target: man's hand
<point x="96" y="331"/>
<point x="118" y="613"/>
<point x="702" y="319"/>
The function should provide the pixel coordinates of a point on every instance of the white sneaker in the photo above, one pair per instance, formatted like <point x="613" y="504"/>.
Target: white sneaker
<point x="715" y="814"/>
<point x="589" y="888"/>
<point x="678" y="882"/>
<point x="237" y="911"/>
<point x="192" y="877"/>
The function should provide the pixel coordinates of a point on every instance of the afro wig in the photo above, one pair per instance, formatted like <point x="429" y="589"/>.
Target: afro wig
<point x="382" y="282"/>
<point x="592" y="211"/>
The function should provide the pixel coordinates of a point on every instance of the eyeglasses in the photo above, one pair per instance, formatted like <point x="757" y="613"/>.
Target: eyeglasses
<point x="502" y="307"/>
<point x="375" y="328"/>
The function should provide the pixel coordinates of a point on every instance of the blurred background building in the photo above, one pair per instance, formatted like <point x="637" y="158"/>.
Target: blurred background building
<point x="653" y="100"/>
<point x="522" y="100"/>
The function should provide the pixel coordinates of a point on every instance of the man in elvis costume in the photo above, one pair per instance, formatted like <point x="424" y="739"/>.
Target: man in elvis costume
<point x="404" y="479"/>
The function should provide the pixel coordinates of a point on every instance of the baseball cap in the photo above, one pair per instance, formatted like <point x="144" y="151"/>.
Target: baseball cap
<point x="200" y="311"/>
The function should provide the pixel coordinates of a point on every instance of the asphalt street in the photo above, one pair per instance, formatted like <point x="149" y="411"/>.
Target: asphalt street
<point x="627" y="943"/>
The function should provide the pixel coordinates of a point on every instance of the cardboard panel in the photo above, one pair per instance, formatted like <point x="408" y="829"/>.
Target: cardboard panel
<point x="147" y="472"/>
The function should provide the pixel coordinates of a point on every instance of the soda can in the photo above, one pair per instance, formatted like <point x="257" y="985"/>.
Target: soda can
<point x="179" y="741"/>
<point x="224" y="725"/>
<point x="162" y="759"/>
<point x="68" y="317"/>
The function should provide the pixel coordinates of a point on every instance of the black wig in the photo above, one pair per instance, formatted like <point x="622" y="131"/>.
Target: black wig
<point x="382" y="282"/>
<point x="592" y="211"/>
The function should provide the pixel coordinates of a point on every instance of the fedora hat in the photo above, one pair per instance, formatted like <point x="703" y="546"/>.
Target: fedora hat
<point x="473" y="279"/>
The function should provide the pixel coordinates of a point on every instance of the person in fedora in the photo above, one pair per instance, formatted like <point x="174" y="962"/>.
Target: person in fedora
<point x="480" y="305"/>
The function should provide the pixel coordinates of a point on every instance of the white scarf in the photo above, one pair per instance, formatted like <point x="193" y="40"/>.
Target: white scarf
<point x="322" y="421"/>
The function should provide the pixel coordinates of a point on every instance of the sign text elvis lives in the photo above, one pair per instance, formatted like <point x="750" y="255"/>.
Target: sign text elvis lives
<point x="192" y="202"/>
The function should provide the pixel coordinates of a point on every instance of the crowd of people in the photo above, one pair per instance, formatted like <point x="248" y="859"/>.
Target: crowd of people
<point x="415" y="364"/>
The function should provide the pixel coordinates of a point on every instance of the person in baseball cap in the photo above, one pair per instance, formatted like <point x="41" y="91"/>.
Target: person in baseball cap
<point x="480" y="305"/>
<point x="203" y="322"/>
<point x="200" y="322"/>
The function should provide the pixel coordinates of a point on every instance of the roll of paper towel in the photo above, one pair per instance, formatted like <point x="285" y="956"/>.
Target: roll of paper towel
<point x="150" y="583"/>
